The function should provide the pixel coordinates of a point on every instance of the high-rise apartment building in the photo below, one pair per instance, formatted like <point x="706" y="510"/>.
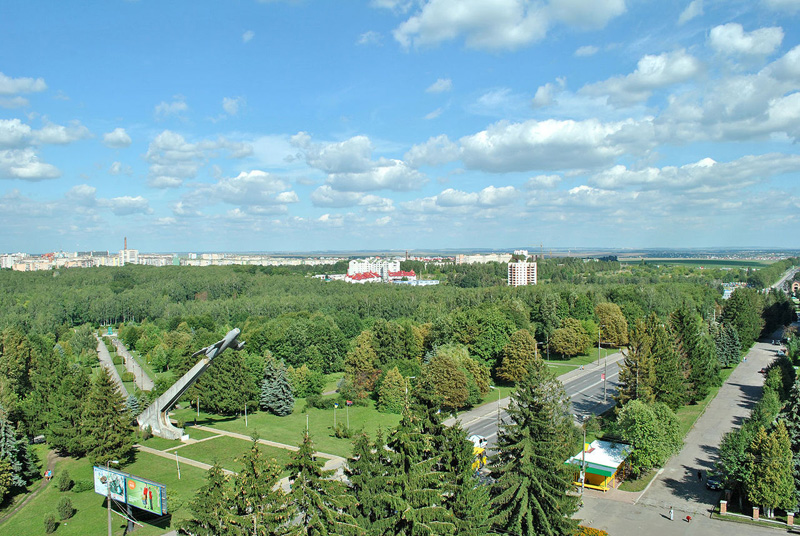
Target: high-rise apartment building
<point x="521" y="272"/>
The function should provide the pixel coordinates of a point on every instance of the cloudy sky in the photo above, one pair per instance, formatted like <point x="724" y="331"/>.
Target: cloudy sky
<point x="319" y="125"/>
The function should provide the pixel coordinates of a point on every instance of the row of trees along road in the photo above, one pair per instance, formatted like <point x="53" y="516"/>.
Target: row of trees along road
<point x="418" y="479"/>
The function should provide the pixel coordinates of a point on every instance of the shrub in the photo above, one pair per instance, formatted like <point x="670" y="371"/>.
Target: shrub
<point x="65" y="509"/>
<point x="128" y="376"/>
<point x="589" y="531"/>
<point x="82" y="485"/>
<point x="64" y="481"/>
<point x="117" y="359"/>
<point x="147" y="433"/>
<point x="342" y="431"/>
<point x="50" y="523"/>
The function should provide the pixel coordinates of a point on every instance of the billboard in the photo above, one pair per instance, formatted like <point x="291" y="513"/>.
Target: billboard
<point x="125" y="488"/>
<point x="114" y="479"/>
<point x="146" y="495"/>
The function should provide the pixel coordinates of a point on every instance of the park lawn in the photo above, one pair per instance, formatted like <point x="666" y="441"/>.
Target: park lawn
<point x="226" y="450"/>
<point x="91" y="514"/>
<point x="332" y="381"/>
<point x="40" y="456"/>
<point x="159" y="443"/>
<point x="288" y="430"/>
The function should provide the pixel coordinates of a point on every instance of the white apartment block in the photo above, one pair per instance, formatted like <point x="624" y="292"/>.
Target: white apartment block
<point x="377" y="266"/>
<point x="521" y="273"/>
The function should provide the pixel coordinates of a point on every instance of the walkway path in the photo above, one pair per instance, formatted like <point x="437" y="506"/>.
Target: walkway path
<point x="175" y="456"/>
<point x="52" y="459"/>
<point x="107" y="362"/>
<point x="677" y="484"/>
<point x="141" y="378"/>
<point x="334" y="462"/>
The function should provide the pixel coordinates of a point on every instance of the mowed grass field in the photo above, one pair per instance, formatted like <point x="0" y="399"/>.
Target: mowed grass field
<point x="91" y="514"/>
<point x="706" y="263"/>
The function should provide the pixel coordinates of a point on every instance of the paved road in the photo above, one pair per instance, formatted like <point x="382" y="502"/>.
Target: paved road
<point x="107" y="362"/>
<point x="142" y="380"/>
<point x="584" y="387"/>
<point x="677" y="484"/>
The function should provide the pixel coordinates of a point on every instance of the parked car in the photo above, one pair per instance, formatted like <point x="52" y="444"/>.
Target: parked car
<point x="762" y="371"/>
<point x="713" y="481"/>
<point x="780" y="353"/>
<point x="774" y="342"/>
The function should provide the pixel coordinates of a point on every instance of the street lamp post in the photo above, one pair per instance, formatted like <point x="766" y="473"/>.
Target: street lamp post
<point x="583" y="454"/>
<point x="498" y="404"/>
<point x="599" y="329"/>
<point x="108" y="491"/>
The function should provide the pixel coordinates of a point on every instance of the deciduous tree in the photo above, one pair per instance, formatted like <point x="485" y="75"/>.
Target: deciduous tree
<point x="518" y="354"/>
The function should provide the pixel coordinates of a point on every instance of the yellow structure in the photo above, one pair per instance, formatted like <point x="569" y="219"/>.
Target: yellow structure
<point x="603" y="461"/>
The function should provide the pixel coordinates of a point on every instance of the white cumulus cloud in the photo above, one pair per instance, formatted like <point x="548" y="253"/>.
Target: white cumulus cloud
<point x="232" y="105"/>
<point x="11" y="86"/>
<point x="117" y="138"/>
<point x="652" y="72"/>
<point x="174" y="108"/>
<point x="248" y="36"/>
<point x="732" y="39"/>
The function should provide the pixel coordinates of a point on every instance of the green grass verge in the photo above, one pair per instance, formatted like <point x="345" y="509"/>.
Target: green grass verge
<point x="638" y="484"/>
<point x="90" y="516"/>
<point x="227" y="450"/>
<point x="688" y="415"/>
<point x="288" y="430"/>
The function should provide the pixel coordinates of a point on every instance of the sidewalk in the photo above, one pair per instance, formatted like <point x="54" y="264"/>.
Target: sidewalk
<point x="142" y="380"/>
<point x="107" y="362"/>
<point x="677" y="484"/>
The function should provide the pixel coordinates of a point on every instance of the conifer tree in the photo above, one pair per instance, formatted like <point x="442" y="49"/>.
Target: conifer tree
<point x="276" y="394"/>
<point x="463" y="495"/>
<point x="16" y="451"/>
<point x="532" y="492"/>
<point x="410" y="499"/>
<point x="517" y="355"/>
<point x="363" y="471"/>
<point x="64" y="431"/>
<point x="320" y="500"/>
<point x="791" y="420"/>
<point x="106" y="423"/>
<point x="210" y="507"/>
<point x="392" y="392"/>
<point x="227" y="387"/>
<point x="728" y="347"/>
<point x="132" y="405"/>
<point x="770" y="483"/>
<point x="259" y="507"/>
<point x="670" y="369"/>
<point x="6" y="479"/>
<point x="637" y="374"/>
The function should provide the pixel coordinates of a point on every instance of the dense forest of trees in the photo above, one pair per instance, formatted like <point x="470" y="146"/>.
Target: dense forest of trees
<point x="451" y="339"/>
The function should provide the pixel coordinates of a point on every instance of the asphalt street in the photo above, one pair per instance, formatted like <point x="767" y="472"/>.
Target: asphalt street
<point x="588" y="392"/>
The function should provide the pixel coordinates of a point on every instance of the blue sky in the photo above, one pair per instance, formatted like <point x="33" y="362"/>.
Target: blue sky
<point x="398" y="124"/>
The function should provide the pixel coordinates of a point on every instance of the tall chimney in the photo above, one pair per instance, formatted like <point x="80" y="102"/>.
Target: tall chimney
<point x="126" y="243"/>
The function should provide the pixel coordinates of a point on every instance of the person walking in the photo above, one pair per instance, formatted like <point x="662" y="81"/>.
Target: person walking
<point x="671" y="513"/>
<point x="699" y="476"/>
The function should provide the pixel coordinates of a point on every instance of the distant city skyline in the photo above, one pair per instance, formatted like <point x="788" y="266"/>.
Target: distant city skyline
<point x="310" y="126"/>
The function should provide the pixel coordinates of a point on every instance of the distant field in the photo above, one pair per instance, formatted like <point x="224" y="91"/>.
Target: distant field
<point x="709" y="263"/>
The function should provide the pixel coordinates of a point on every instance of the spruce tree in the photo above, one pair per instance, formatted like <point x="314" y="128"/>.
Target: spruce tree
<point x="64" y="431"/>
<point x="259" y="506"/>
<point x="392" y="392"/>
<point x="106" y="423"/>
<point x="132" y="405"/>
<point x="410" y="499"/>
<point x="210" y="507"/>
<point x="463" y="495"/>
<point x="791" y="420"/>
<point x="533" y="491"/>
<point x="276" y="394"/>
<point x="363" y="471"/>
<point x="670" y="369"/>
<point x="637" y="373"/>
<point x="321" y="502"/>
<point x="15" y="449"/>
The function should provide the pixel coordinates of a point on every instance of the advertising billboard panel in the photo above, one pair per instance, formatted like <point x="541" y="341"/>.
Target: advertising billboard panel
<point x="132" y="490"/>
<point x="147" y="495"/>
<point x="114" y="479"/>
